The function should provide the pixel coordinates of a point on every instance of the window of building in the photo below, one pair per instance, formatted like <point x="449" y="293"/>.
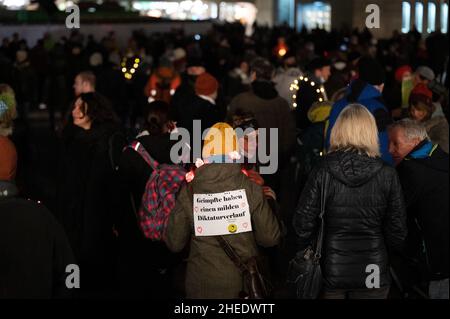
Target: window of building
<point x="243" y="12"/>
<point x="418" y="16"/>
<point x="14" y="4"/>
<point x="314" y="15"/>
<point x="286" y="11"/>
<point x="431" y="17"/>
<point x="182" y="10"/>
<point x="406" y="16"/>
<point x="444" y="17"/>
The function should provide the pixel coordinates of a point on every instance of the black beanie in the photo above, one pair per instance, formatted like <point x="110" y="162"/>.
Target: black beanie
<point x="194" y="61"/>
<point x="371" y="71"/>
<point x="318" y="63"/>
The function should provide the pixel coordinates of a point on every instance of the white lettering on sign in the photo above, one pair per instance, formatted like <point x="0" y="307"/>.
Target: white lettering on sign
<point x="221" y="213"/>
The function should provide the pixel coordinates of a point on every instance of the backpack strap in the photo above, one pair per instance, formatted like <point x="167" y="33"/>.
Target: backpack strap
<point x="138" y="147"/>
<point x="113" y="141"/>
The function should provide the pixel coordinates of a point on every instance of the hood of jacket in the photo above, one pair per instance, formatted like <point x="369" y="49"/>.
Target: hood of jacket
<point x="435" y="122"/>
<point x="359" y="91"/>
<point x="319" y="112"/>
<point x="351" y="168"/>
<point x="216" y="178"/>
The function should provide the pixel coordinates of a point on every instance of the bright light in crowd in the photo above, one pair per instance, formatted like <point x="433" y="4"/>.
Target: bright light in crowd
<point x="62" y="4"/>
<point x="14" y="4"/>
<point x="154" y="13"/>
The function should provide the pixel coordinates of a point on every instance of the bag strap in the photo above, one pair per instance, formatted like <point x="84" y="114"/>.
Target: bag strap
<point x="323" y="195"/>
<point x="231" y="253"/>
<point x="138" y="147"/>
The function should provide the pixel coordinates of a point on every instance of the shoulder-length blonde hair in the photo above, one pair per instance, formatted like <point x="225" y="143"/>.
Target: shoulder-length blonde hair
<point x="355" y="129"/>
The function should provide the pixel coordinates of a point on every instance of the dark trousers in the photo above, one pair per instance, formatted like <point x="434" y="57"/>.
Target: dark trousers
<point x="375" y="293"/>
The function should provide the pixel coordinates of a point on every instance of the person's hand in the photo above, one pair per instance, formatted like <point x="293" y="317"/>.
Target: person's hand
<point x="269" y="193"/>
<point x="171" y="126"/>
<point x="255" y="177"/>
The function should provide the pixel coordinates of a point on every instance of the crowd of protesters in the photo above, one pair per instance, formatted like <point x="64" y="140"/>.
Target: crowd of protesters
<point x="361" y="128"/>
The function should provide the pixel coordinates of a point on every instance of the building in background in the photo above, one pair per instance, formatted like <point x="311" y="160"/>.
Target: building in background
<point x="401" y="15"/>
<point x="427" y="15"/>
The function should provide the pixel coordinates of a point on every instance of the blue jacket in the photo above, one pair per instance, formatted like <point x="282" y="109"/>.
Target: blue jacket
<point x="370" y="97"/>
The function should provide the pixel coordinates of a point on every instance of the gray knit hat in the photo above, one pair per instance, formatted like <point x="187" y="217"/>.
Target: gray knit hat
<point x="425" y="72"/>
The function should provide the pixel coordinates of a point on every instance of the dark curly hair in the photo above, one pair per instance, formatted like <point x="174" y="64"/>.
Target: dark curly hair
<point x="262" y="68"/>
<point x="156" y="115"/>
<point x="97" y="108"/>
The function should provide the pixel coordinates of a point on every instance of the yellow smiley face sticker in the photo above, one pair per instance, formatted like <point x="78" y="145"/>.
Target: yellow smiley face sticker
<point x="232" y="228"/>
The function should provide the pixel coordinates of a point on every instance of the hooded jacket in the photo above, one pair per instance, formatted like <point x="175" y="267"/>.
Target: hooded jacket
<point x="424" y="178"/>
<point x="364" y="215"/>
<point x="367" y="95"/>
<point x="210" y="272"/>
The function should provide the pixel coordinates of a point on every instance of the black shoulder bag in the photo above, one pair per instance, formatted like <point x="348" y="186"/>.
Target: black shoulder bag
<point x="304" y="272"/>
<point x="254" y="281"/>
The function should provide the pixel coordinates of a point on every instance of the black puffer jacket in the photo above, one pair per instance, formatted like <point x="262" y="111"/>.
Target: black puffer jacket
<point x="365" y="214"/>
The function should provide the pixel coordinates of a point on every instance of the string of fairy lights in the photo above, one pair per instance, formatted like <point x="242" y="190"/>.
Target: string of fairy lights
<point x="127" y="71"/>
<point x="295" y="87"/>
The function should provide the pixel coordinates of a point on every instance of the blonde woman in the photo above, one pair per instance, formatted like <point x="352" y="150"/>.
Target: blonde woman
<point x="364" y="210"/>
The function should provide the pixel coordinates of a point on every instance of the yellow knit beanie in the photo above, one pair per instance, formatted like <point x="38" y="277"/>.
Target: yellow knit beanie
<point x="219" y="141"/>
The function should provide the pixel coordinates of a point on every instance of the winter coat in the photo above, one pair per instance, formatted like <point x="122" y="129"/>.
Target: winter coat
<point x="370" y="97"/>
<point x="184" y="95"/>
<point x="210" y="272"/>
<point x="270" y="111"/>
<point x="34" y="250"/>
<point x="424" y="178"/>
<point x="312" y="138"/>
<point x="364" y="216"/>
<point x="87" y="194"/>
<point x="437" y="129"/>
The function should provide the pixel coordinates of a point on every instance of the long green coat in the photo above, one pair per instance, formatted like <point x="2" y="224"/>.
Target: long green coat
<point x="210" y="272"/>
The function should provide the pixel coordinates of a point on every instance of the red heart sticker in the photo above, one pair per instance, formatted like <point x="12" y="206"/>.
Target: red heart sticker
<point x="245" y="225"/>
<point x="199" y="229"/>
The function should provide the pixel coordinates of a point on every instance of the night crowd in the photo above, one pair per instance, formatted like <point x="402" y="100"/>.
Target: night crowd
<point x="362" y="135"/>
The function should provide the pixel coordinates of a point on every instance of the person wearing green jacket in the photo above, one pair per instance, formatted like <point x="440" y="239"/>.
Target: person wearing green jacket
<point x="211" y="274"/>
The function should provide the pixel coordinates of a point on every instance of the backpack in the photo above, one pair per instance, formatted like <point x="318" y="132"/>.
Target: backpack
<point x="159" y="196"/>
